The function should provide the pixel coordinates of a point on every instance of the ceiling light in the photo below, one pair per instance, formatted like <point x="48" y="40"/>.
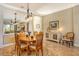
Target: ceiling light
<point x="29" y="14"/>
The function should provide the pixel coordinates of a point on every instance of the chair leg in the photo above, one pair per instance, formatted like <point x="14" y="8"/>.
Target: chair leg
<point x="42" y="51"/>
<point x="72" y="43"/>
<point x="62" y="42"/>
<point x="69" y="44"/>
<point x="65" y="43"/>
<point x="37" y="52"/>
<point x="28" y="50"/>
<point x="18" y="52"/>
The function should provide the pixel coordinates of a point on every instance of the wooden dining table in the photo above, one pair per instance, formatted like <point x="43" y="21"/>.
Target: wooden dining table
<point x="28" y="40"/>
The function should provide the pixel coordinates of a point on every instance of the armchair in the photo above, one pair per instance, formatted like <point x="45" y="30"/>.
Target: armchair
<point x="68" y="38"/>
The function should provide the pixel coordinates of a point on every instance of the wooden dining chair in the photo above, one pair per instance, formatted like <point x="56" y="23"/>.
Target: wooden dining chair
<point x="33" y="42"/>
<point x="39" y="44"/>
<point x="20" y="46"/>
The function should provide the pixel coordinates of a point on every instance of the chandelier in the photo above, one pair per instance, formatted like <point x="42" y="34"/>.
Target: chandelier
<point x="29" y="13"/>
<point x="14" y="21"/>
<point x="27" y="17"/>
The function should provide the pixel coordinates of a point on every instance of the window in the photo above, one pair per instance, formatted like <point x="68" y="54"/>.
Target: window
<point x="8" y="28"/>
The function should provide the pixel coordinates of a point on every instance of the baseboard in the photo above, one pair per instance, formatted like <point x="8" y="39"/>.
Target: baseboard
<point x="2" y="46"/>
<point x="76" y="45"/>
<point x="53" y="40"/>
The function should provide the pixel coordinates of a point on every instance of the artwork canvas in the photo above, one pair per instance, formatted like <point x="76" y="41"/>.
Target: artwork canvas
<point x="38" y="26"/>
<point x="54" y="25"/>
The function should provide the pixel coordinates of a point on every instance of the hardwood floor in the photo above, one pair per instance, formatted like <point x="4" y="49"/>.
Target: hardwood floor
<point x="1" y="52"/>
<point x="57" y="49"/>
<point x="50" y="49"/>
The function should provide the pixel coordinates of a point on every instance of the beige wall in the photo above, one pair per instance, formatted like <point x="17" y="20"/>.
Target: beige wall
<point x="76" y="24"/>
<point x="37" y="23"/>
<point x="1" y="27"/>
<point x="68" y="20"/>
<point x="64" y="17"/>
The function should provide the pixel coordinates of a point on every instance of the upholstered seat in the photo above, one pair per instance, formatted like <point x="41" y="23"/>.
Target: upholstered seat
<point x="33" y="46"/>
<point x="23" y="45"/>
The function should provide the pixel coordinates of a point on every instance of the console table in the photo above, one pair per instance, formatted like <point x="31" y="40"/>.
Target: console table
<point x="54" y="36"/>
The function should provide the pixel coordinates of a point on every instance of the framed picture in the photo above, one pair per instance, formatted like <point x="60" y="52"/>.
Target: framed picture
<point x="38" y="26"/>
<point x="54" y="25"/>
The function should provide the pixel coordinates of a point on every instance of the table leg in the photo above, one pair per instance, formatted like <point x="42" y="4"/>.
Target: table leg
<point x="28" y="49"/>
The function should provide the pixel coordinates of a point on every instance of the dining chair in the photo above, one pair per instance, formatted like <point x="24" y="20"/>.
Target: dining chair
<point x="38" y="45"/>
<point x="20" y="46"/>
<point x="69" y="39"/>
<point x="35" y="32"/>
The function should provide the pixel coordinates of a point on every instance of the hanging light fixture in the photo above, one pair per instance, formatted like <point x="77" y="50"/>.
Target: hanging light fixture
<point x="14" y="21"/>
<point x="29" y="14"/>
<point x="15" y="28"/>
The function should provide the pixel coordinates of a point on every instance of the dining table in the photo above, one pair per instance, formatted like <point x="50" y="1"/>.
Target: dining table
<point x="28" y="40"/>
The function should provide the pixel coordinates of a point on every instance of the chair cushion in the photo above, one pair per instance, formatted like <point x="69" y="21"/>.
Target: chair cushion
<point x="32" y="46"/>
<point x="23" y="45"/>
<point x="66" y="39"/>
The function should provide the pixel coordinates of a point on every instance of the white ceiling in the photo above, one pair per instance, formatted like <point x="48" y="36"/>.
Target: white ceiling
<point x="41" y="8"/>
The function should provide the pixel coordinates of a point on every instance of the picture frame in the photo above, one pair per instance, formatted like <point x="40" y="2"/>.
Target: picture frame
<point x="38" y="26"/>
<point x="54" y="25"/>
